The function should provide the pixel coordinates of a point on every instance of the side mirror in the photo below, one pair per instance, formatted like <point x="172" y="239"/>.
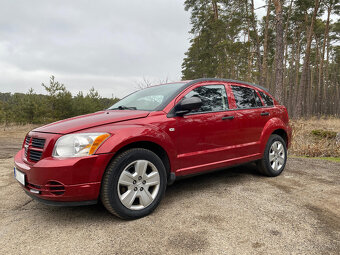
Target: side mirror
<point x="187" y="105"/>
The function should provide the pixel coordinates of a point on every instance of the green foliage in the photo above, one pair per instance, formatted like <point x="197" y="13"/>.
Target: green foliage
<point x="57" y="104"/>
<point x="319" y="133"/>
<point x="217" y="49"/>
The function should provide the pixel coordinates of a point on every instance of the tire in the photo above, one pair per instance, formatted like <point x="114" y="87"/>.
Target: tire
<point x="133" y="184"/>
<point x="274" y="158"/>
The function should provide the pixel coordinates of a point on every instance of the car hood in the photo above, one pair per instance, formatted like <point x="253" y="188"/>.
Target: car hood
<point x="90" y="120"/>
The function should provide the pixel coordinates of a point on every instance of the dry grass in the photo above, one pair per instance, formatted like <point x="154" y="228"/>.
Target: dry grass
<point x="16" y="131"/>
<point x="305" y="142"/>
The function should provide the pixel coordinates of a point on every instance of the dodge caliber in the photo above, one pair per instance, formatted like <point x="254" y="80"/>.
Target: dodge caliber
<point x="126" y="156"/>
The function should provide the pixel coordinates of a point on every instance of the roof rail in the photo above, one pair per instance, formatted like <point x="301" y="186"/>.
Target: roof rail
<point x="226" y="80"/>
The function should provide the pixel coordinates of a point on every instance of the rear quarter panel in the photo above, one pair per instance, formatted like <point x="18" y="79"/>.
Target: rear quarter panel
<point x="279" y="120"/>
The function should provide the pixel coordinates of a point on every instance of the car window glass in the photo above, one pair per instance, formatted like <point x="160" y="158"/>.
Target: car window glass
<point x="266" y="99"/>
<point x="245" y="97"/>
<point x="149" y="99"/>
<point x="214" y="98"/>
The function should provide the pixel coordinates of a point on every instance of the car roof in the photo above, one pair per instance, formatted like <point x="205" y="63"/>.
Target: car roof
<point x="189" y="83"/>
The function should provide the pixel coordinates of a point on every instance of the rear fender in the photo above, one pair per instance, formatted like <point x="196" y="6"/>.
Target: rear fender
<point x="272" y="125"/>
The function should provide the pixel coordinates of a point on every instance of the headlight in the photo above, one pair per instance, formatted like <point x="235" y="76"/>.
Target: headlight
<point x="78" y="145"/>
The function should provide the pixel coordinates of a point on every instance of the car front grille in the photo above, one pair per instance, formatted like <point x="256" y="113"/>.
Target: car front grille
<point x="38" y="143"/>
<point x="34" y="148"/>
<point x="35" y="155"/>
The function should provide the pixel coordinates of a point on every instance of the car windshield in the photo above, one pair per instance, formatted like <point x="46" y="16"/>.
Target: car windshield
<point x="149" y="99"/>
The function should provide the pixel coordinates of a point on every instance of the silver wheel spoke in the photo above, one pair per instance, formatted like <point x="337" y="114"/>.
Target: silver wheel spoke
<point x="281" y="150"/>
<point x="128" y="197"/>
<point x="281" y="160"/>
<point x="276" y="166"/>
<point x="126" y="178"/>
<point x="152" y="179"/>
<point x="271" y="156"/>
<point x="279" y="147"/>
<point x="145" y="198"/>
<point x="141" y="166"/>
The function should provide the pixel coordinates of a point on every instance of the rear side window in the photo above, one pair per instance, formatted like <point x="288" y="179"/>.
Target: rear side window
<point x="246" y="97"/>
<point x="266" y="99"/>
<point x="214" y="98"/>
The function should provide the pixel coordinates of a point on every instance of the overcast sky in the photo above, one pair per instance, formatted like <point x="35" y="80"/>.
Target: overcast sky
<point x="108" y="44"/>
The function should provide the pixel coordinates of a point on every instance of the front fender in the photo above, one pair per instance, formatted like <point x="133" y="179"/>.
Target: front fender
<point x="123" y="135"/>
<point x="272" y="125"/>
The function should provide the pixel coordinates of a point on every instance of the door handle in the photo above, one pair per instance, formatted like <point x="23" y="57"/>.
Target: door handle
<point x="264" y="113"/>
<point x="228" y="117"/>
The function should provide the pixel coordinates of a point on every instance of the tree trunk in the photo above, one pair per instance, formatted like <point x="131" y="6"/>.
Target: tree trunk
<point x="257" y="42"/>
<point x="215" y="9"/>
<point x="279" y="51"/>
<point x="286" y="55"/>
<point x="326" y="83"/>
<point x="304" y="77"/>
<point x="321" y="67"/>
<point x="297" y="69"/>
<point x="290" y="94"/>
<point x="318" y="102"/>
<point x="265" y="47"/>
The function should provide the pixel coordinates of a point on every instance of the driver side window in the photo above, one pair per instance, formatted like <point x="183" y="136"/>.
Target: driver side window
<point x="214" y="98"/>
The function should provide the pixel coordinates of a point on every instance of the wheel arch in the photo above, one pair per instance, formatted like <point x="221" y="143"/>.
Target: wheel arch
<point x="152" y="146"/>
<point x="273" y="126"/>
<point x="281" y="132"/>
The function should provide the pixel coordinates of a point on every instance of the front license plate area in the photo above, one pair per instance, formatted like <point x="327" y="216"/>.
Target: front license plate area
<point x="19" y="176"/>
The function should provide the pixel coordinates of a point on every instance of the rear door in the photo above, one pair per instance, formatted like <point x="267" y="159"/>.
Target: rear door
<point x="251" y="118"/>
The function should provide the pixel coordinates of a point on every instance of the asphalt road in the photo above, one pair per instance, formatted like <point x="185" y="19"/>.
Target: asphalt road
<point x="234" y="211"/>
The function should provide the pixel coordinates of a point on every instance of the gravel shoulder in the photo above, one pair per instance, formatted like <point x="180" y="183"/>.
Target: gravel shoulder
<point x="234" y="211"/>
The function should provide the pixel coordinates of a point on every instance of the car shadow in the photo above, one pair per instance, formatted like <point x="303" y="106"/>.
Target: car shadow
<point x="180" y="189"/>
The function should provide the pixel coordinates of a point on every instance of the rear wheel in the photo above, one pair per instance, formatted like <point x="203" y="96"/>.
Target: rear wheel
<point x="275" y="156"/>
<point x="133" y="184"/>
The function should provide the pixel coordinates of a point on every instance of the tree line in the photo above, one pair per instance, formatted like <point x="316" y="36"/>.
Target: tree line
<point x="293" y="50"/>
<point x="57" y="104"/>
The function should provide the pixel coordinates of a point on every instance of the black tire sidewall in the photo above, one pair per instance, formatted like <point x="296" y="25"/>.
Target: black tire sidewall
<point x="115" y="170"/>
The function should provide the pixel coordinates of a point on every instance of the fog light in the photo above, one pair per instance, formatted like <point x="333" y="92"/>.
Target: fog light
<point x="34" y="191"/>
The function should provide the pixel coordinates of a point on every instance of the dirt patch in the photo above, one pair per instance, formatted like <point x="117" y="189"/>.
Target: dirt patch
<point x="189" y="242"/>
<point x="9" y="146"/>
<point x="329" y="220"/>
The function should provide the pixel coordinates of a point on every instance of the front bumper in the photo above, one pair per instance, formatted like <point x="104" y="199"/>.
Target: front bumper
<point x="63" y="180"/>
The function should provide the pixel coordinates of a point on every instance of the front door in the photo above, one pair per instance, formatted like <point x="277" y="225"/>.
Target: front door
<point x="204" y="137"/>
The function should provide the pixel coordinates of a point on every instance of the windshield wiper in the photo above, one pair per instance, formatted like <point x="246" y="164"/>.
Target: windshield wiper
<point x="122" y="107"/>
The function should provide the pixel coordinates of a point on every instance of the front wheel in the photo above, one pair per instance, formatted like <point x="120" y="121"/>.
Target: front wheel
<point x="274" y="157"/>
<point x="133" y="184"/>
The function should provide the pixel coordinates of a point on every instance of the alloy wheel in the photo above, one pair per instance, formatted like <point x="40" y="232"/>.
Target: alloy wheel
<point x="138" y="184"/>
<point x="277" y="156"/>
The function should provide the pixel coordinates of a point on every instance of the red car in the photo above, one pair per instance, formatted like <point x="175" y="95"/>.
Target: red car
<point x="126" y="155"/>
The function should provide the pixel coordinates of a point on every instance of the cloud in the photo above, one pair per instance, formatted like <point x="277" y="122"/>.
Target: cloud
<point x="106" y="44"/>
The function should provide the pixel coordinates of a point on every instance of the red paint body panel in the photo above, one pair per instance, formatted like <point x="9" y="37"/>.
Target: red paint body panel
<point x="193" y="142"/>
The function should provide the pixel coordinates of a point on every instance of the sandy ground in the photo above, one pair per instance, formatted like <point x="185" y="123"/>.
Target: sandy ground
<point x="235" y="211"/>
